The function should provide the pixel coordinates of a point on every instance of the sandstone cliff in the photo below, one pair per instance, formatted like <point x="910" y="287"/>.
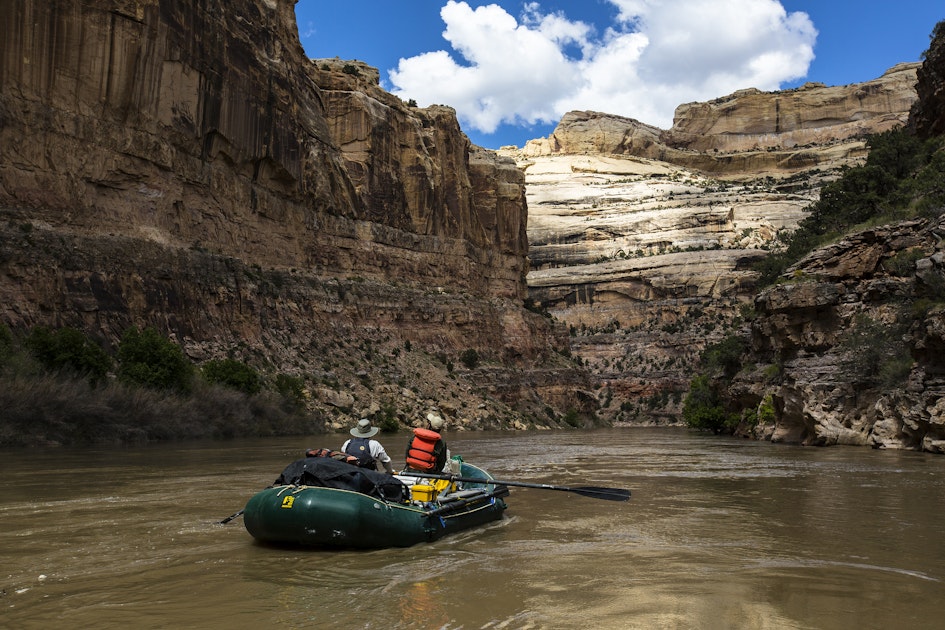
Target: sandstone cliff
<point x="848" y="348"/>
<point x="845" y="301"/>
<point x="183" y="165"/>
<point x="749" y="132"/>
<point x="642" y="240"/>
<point x="813" y="114"/>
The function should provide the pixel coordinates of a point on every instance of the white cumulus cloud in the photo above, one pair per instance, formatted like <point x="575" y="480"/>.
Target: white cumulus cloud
<point x="656" y="54"/>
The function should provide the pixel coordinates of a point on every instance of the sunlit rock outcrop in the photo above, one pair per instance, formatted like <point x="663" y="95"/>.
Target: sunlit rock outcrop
<point x="184" y="165"/>
<point x="642" y="240"/>
<point x="813" y="114"/>
<point x="750" y="132"/>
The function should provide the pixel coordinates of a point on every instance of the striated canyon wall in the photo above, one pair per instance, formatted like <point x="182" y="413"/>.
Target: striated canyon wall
<point x="848" y="347"/>
<point x="642" y="240"/>
<point x="199" y="124"/>
<point x="749" y="133"/>
<point x="184" y="165"/>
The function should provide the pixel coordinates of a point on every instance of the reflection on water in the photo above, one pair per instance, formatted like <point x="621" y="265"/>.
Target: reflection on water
<point x="719" y="533"/>
<point x="421" y="606"/>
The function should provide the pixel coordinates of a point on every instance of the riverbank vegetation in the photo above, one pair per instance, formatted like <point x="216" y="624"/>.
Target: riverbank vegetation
<point x="718" y="364"/>
<point x="62" y="387"/>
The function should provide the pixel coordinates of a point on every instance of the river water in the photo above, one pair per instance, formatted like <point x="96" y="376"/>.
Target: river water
<point x="719" y="533"/>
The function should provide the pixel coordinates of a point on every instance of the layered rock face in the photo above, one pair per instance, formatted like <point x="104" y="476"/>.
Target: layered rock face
<point x="823" y="341"/>
<point x="928" y="113"/>
<point x="749" y="132"/>
<point x="184" y="165"/>
<point x="642" y="241"/>
<point x="202" y="125"/>
<point x="848" y="348"/>
<point x="813" y="114"/>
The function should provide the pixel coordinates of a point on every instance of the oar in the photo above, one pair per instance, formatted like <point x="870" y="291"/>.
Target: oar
<point x="459" y="504"/>
<point x="231" y="517"/>
<point x="594" y="492"/>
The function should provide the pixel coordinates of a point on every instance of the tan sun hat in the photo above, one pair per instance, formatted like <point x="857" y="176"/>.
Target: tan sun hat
<point x="436" y="421"/>
<point x="364" y="429"/>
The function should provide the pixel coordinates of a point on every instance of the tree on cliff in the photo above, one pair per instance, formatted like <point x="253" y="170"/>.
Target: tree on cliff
<point x="901" y="179"/>
<point x="928" y="112"/>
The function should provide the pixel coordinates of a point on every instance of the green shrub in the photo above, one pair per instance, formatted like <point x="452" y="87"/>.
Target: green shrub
<point x="725" y="356"/>
<point x="292" y="389"/>
<point x="902" y="264"/>
<point x="876" y="353"/>
<point x="703" y="410"/>
<point x="233" y="374"/>
<point x="773" y="373"/>
<point x="69" y="349"/>
<point x="387" y="422"/>
<point x="572" y="418"/>
<point x="147" y="358"/>
<point x="766" y="411"/>
<point x="470" y="358"/>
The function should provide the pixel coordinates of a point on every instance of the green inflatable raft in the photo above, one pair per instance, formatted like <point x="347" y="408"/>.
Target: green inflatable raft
<point x="323" y="502"/>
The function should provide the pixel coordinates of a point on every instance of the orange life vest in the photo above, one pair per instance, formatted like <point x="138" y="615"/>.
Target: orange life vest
<point x="422" y="451"/>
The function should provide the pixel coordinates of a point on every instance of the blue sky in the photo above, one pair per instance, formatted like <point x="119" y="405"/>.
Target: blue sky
<point x="511" y="69"/>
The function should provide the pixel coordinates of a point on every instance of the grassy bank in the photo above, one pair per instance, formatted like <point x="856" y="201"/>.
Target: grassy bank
<point x="60" y="388"/>
<point x="45" y="410"/>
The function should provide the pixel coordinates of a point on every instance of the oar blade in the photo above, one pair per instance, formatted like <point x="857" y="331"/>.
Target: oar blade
<point x="607" y="494"/>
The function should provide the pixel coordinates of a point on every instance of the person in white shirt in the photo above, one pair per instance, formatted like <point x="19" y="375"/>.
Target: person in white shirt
<point x="369" y="452"/>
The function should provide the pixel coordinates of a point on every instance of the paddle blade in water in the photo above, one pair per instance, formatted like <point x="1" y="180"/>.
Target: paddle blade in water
<point x="608" y="494"/>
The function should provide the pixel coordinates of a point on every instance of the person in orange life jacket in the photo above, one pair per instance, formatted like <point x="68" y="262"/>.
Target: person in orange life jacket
<point x="427" y="451"/>
<point x="369" y="452"/>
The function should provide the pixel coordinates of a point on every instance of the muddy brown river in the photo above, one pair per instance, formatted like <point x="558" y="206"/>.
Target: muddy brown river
<point x="719" y="533"/>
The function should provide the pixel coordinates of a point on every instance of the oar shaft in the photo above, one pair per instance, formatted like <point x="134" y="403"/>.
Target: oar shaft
<point x="611" y="494"/>
<point x="491" y="482"/>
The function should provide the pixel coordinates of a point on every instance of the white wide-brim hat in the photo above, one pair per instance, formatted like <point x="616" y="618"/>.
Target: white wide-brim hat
<point x="364" y="429"/>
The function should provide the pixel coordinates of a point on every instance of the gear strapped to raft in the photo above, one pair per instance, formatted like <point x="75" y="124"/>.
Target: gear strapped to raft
<point x="327" y="472"/>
